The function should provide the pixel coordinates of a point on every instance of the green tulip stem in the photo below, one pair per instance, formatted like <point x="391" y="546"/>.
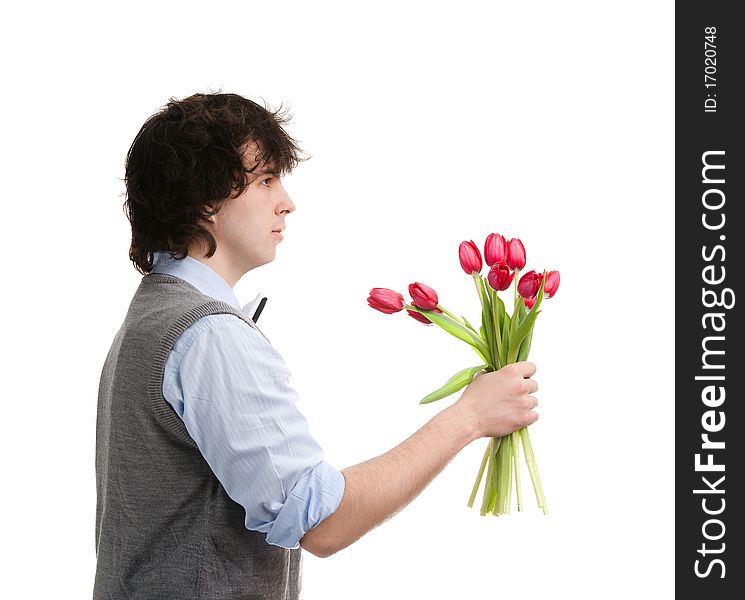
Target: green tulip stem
<point x="491" y="480"/>
<point x="516" y="457"/>
<point x="533" y="469"/>
<point x="517" y="277"/>
<point x="505" y="475"/>
<point x="485" y="313"/>
<point x="510" y="462"/>
<point x="480" y="475"/>
<point x="512" y="354"/>
<point x="449" y="314"/>
<point x="491" y="498"/>
<point x="497" y="330"/>
<point x="477" y="283"/>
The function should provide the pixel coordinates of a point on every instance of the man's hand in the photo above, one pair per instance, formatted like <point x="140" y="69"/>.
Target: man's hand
<point x="500" y="402"/>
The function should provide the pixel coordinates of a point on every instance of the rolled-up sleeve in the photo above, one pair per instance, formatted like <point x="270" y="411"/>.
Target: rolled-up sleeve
<point x="315" y="496"/>
<point x="231" y="388"/>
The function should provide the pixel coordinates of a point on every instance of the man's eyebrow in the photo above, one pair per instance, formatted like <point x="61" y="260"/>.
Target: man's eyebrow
<point x="268" y="171"/>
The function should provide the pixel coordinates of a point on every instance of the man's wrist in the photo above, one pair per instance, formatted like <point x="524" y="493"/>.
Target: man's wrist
<point x="464" y="423"/>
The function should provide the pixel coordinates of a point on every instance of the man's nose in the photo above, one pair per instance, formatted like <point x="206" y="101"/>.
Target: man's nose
<point x="286" y="205"/>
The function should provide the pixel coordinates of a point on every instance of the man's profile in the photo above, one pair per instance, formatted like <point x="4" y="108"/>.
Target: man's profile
<point x="209" y="484"/>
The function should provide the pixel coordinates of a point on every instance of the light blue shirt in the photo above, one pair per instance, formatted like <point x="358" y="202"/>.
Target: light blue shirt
<point x="231" y="388"/>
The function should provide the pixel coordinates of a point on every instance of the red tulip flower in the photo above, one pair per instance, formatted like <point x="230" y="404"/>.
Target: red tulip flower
<point x="500" y="276"/>
<point x="385" y="300"/>
<point x="529" y="302"/>
<point x="420" y="317"/>
<point x="515" y="254"/>
<point x="470" y="257"/>
<point x="529" y="284"/>
<point x="423" y="296"/>
<point x="495" y="249"/>
<point x="552" y="283"/>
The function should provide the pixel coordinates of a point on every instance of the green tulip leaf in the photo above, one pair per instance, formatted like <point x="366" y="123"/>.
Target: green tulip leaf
<point x="506" y="324"/>
<point x="457" y="382"/>
<point x="486" y="315"/>
<point x="485" y="295"/>
<point x="457" y="330"/>
<point x="522" y="331"/>
<point x="502" y="310"/>
<point x="497" y="307"/>
<point x="525" y="347"/>
<point x="468" y="324"/>
<point x="522" y="311"/>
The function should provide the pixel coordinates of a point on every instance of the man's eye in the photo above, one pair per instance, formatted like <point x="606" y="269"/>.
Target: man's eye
<point x="267" y="180"/>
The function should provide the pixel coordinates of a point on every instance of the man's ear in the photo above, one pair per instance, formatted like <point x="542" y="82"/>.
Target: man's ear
<point x="210" y="208"/>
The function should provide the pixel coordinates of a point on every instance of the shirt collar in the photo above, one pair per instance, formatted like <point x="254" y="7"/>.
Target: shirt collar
<point x="202" y="277"/>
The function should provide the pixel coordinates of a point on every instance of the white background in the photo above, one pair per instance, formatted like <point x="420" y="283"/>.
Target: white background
<point x="429" y="123"/>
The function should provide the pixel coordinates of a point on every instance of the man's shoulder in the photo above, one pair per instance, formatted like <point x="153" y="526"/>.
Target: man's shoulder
<point x="214" y="329"/>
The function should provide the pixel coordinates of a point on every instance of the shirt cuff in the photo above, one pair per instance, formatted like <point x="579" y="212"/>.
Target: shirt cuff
<point x="315" y="496"/>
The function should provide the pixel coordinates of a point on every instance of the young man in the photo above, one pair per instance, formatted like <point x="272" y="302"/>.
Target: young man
<point x="208" y="482"/>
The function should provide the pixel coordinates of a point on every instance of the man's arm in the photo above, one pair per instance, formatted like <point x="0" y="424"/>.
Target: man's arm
<point x="242" y="419"/>
<point x="494" y="404"/>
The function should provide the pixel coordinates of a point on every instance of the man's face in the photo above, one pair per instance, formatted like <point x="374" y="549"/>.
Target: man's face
<point x="244" y="226"/>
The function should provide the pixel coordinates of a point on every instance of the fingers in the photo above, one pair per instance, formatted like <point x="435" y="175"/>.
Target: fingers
<point x="525" y="368"/>
<point x="531" y="386"/>
<point x="521" y="387"/>
<point x="530" y="416"/>
<point x="531" y="402"/>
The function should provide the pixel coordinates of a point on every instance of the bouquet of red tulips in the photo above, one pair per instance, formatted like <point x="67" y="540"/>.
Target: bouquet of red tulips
<point x="500" y="340"/>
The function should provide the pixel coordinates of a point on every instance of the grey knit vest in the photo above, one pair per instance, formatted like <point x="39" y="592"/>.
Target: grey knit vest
<point x="165" y="527"/>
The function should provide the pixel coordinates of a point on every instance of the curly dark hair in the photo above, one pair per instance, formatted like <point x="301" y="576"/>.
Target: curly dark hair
<point x="187" y="161"/>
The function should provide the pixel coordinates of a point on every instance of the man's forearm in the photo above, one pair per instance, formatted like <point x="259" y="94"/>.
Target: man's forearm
<point x="377" y="489"/>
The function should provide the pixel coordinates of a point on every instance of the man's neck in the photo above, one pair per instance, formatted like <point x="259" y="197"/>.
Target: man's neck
<point x="220" y="265"/>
